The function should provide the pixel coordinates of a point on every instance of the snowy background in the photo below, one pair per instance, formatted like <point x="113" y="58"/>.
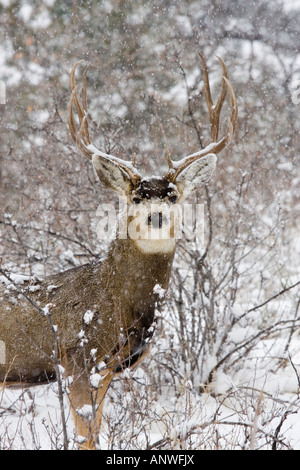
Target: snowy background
<point x="224" y="367"/>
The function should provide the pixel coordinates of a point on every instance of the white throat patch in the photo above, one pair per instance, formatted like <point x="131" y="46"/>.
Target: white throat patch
<point x="156" y="246"/>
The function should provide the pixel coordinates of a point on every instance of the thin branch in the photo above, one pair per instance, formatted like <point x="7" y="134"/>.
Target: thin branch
<point x="283" y="291"/>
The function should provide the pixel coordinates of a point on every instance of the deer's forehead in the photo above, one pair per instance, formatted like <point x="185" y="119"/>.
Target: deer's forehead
<point x="155" y="188"/>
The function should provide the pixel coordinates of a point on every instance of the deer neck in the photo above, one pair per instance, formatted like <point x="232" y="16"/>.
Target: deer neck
<point x="137" y="271"/>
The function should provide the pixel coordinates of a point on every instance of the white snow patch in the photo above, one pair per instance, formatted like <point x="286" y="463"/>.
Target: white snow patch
<point x="95" y="380"/>
<point x="88" y="317"/>
<point x="159" y="291"/>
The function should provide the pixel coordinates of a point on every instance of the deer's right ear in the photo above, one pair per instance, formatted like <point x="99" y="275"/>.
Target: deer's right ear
<point x="110" y="174"/>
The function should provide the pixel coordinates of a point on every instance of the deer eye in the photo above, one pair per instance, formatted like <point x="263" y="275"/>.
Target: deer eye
<point x="173" y="199"/>
<point x="136" y="200"/>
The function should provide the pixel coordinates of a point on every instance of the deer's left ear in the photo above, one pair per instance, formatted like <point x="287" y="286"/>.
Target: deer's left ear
<point x="196" y="174"/>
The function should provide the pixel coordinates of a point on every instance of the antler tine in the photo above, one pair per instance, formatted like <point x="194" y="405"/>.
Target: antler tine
<point x="214" y="111"/>
<point x="81" y="138"/>
<point x="214" y="116"/>
<point x="170" y="163"/>
<point x="84" y="129"/>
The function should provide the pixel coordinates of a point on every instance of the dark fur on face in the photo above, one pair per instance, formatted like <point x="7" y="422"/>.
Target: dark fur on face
<point x="155" y="188"/>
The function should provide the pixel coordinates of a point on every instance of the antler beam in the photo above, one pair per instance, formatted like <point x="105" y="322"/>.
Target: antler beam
<point x="81" y="136"/>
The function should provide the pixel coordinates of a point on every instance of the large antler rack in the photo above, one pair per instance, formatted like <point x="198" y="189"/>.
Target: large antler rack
<point x="80" y="135"/>
<point x="175" y="168"/>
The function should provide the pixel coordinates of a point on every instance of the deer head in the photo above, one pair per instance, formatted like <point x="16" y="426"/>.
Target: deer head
<point x="155" y="197"/>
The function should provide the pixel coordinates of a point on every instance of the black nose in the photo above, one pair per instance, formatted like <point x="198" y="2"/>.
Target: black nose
<point x="156" y="219"/>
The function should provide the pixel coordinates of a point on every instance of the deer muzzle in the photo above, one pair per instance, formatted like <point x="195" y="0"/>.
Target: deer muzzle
<point x="157" y="219"/>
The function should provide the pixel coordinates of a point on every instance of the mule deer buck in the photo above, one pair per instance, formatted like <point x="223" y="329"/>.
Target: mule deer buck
<point x="104" y="311"/>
